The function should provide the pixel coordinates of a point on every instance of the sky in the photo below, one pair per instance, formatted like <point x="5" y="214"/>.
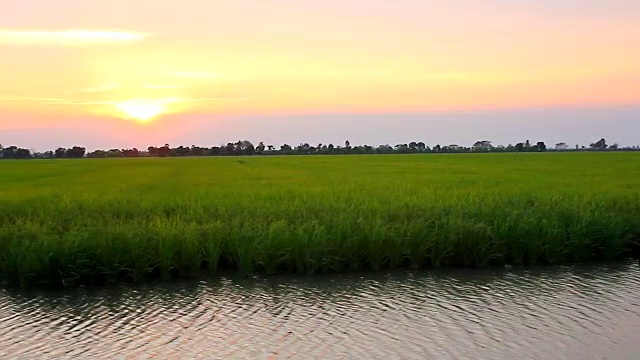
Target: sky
<point x="134" y="73"/>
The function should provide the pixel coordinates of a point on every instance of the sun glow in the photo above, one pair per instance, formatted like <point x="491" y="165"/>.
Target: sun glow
<point x="142" y="110"/>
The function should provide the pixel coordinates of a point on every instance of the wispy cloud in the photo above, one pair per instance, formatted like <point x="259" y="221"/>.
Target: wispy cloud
<point x="476" y="77"/>
<point x="196" y="74"/>
<point x="154" y="86"/>
<point x="221" y="99"/>
<point x="97" y="89"/>
<point x="65" y="101"/>
<point x="187" y="100"/>
<point x="75" y="37"/>
<point x="47" y="100"/>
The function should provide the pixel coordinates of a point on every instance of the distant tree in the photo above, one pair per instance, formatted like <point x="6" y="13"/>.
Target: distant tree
<point x="8" y="152"/>
<point x="23" y="153"/>
<point x="402" y="148"/>
<point x="60" y="153"/>
<point x="599" y="145"/>
<point x="164" y="151"/>
<point x="303" y="149"/>
<point x="97" y="154"/>
<point x="214" y="151"/>
<point x="413" y="147"/>
<point x="541" y="146"/>
<point x="75" y="152"/>
<point x="229" y="149"/>
<point x="482" y="145"/>
<point x="195" y="151"/>
<point x="286" y="149"/>
<point x="245" y="147"/>
<point x="384" y="149"/>
<point x="451" y="148"/>
<point x="131" y="152"/>
<point x="114" y="153"/>
<point x="181" y="151"/>
<point x="260" y="148"/>
<point x="331" y="149"/>
<point x="14" y="152"/>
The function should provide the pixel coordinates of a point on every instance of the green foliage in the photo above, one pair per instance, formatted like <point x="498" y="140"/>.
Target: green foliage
<point x="74" y="221"/>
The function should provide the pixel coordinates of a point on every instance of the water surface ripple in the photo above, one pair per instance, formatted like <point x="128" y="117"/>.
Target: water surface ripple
<point x="582" y="312"/>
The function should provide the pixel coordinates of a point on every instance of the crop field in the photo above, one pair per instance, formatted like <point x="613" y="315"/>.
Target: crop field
<point x="102" y="221"/>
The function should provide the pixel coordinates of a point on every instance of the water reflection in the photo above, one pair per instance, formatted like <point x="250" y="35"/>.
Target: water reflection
<point x="560" y="312"/>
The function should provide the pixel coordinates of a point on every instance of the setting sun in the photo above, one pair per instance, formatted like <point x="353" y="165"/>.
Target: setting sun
<point x="142" y="110"/>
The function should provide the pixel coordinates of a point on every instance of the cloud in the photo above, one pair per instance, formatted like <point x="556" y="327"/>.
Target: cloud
<point x="69" y="37"/>
<point x="187" y="100"/>
<point x="63" y="101"/>
<point x="220" y="99"/>
<point x="97" y="89"/>
<point x="195" y="74"/>
<point x="477" y="77"/>
<point x="154" y="86"/>
<point x="47" y="100"/>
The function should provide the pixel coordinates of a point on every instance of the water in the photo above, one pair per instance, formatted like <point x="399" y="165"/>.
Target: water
<point x="588" y="312"/>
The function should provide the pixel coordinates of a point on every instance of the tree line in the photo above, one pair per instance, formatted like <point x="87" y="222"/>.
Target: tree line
<point x="245" y="147"/>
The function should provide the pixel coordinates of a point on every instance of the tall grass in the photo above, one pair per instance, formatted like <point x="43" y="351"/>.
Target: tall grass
<point x="101" y="221"/>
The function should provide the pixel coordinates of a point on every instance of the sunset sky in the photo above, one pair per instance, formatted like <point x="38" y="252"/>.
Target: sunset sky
<point x="133" y="73"/>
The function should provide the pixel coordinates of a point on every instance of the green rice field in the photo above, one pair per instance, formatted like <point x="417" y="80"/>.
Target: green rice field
<point x="101" y="221"/>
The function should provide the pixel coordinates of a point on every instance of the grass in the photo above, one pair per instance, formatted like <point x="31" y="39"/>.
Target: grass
<point x="102" y="221"/>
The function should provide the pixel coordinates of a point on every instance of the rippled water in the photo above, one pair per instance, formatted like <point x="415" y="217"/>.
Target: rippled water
<point x="562" y="312"/>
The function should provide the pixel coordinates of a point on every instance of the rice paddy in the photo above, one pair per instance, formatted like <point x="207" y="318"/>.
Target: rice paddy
<point x="90" y="221"/>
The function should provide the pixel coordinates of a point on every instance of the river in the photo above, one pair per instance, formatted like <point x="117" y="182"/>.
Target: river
<point x="577" y="312"/>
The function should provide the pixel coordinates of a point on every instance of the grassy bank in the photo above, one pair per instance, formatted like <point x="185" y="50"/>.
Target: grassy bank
<point x="98" y="221"/>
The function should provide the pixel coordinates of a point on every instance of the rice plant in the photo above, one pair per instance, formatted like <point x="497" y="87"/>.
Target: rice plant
<point x="101" y="221"/>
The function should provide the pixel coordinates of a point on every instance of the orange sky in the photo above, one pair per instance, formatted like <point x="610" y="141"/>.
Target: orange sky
<point x="140" y="60"/>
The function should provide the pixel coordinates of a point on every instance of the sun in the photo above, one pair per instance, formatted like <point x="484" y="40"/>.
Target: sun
<point x="142" y="110"/>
